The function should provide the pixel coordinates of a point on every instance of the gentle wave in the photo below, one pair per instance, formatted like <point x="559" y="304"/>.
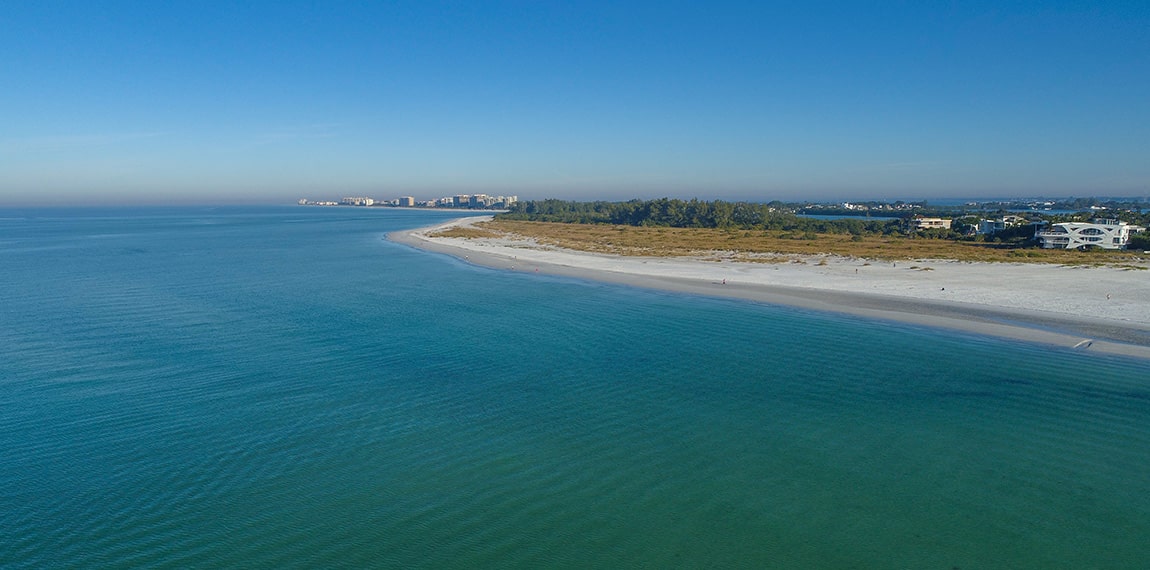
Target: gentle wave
<point x="253" y="393"/>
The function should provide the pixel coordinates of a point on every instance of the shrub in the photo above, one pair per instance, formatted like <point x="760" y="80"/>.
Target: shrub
<point x="1139" y="241"/>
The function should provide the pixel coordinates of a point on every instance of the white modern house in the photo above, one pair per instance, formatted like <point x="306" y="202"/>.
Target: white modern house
<point x="998" y="224"/>
<point x="1105" y="234"/>
<point x="921" y="223"/>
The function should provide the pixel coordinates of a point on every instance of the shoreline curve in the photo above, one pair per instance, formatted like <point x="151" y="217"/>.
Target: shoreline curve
<point x="764" y="283"/>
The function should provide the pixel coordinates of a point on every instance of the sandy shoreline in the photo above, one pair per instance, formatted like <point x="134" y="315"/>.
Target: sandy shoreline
<point x="1098" y="309"/>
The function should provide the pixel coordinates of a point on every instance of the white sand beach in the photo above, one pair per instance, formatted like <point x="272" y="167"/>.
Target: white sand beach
<point x="1098" y="309"/>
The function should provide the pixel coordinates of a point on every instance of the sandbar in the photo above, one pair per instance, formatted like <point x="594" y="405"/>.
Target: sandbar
<point x="1097" y="309"/>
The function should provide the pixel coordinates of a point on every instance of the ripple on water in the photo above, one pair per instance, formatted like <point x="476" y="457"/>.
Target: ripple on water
<point x="262" y="394"/>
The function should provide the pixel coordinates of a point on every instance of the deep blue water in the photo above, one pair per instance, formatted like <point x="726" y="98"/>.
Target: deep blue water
<point x="280" y="387"/>
<point x="1045" y="212"/>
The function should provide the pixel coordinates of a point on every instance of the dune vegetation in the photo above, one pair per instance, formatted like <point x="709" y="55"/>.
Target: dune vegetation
<point x="768" y="245"/>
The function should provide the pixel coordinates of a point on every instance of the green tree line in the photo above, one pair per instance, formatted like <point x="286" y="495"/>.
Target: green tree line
<point x="676" y="213"/>
<point x="778" y="216"/>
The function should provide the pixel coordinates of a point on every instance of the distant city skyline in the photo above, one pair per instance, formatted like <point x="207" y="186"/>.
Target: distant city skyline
<point x="267" y="102"/>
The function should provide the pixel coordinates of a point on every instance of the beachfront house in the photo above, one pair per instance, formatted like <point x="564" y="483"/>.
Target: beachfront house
<point x="987" y="227"/>
<point x="1104" y="234"/>
<point x="921" y="223"/>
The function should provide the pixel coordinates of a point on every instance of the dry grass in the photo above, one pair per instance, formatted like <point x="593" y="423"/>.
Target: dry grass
<point x="747" y="244"/>
<point x="467" y="233"/>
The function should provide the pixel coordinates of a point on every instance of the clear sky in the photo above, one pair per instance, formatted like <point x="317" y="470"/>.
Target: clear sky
<point x="271" y="101"/>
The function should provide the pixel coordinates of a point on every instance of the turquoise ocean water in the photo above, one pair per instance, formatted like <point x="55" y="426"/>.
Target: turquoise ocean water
<point x="280" y="387"/>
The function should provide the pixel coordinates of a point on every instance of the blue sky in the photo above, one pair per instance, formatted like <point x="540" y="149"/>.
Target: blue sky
<point x="197" y="101"/>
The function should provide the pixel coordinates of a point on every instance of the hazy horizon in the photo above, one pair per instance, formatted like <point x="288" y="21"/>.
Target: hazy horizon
<point x="215" y="103"/>
<point x="292" y="201"/>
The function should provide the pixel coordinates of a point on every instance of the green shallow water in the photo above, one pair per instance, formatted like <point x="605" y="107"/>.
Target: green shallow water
<point x="281" y="387"/>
